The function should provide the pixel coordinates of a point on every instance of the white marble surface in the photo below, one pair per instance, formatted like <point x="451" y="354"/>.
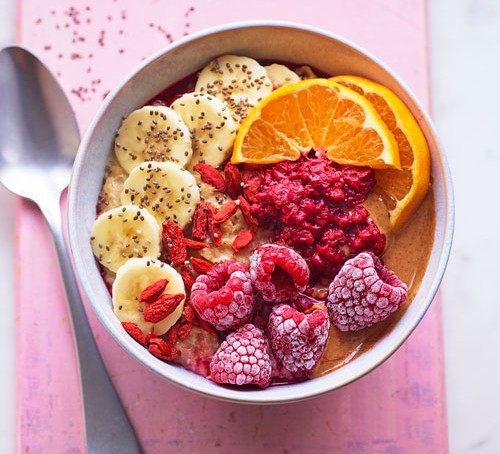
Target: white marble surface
<point x="7" y="391"/>
<point x="465" y="63"/>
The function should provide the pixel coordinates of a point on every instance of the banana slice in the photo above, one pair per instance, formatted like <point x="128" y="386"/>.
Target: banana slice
<point x="239" y="81"/>
<point x="131" y="279"/>
<point x="211" y="126"/>
<point x="122" y="233"/>
<point x="305" y="72"/>
<point x="165" y="189"/>
<point x="281" y="75"/>
<point x="152" y="133"/>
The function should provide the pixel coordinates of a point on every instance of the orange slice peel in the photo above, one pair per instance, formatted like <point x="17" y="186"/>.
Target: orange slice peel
<point x="402" y="190"/>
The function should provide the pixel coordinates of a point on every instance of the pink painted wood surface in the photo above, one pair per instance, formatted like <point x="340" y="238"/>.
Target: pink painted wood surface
<point x="91" y="46"/>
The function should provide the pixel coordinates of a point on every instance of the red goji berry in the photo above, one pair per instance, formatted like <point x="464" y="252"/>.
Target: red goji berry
<point x="187" y="276"/>
<point x="213" y="229"/>
<point x="184" y="331"/>
<point x="172" y="332"/>
<point x="173" y="241"/>
<point x="162" y="307"/>
<point x="162" y="350"/>
<point x="201" y="266"/>
<point x="210" y="175"/>
<point x="199" y="226"/>
<point x="189" y="314"/>
<point x="135" y="333"/>
<point x="153" y="291"/>
<point x="207" y="326"/>
<point x="233" y="180"/>
<point x="250" y="219"/>
<point x="193" y="244"/>
<point x="242" y="240"/>
<point x="228" y="210"/>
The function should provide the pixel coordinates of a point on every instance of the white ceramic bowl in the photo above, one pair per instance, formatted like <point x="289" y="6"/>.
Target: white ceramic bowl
<point x="261" y="40"/>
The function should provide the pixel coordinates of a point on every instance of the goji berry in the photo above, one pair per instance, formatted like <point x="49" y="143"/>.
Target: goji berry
<point x="193" y="244"/>
<point x="162" y="307"/>
<point x="242" y="240"/>
<point x="172" y="332"/>
<point x="153" y="291"/>
<point x="189" y="314"/>
<point x="187" y="276"/>
<point x="213" y="229"/>
<point x="250" y="219"/>
<point x="162" y="350"/>
<point x="233" y="180"/>
<point x="210" y="175"/>
<point x="135" y="332"/>
<point x="207" y="326"/>
<point x="228" y="210"/>
<point x="173" y="241"/>
<point x="201" y="266"/>
<point x="199" y="227"/>
<point x="184" y="331"/>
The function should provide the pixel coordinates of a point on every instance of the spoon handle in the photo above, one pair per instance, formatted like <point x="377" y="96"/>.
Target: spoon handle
<point x="107" y="426"/>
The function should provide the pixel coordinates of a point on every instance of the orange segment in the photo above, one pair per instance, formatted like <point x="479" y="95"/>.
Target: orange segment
<point x="402" y="190"/>
<point x="315" y="114"/>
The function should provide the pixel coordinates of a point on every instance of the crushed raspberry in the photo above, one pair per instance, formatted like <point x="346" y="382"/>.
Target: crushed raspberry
<point x="297" y="340"/>
<point x="224" y="295"/>
<point x="252" y="177"/>
<point x="278" y="272"/>
<point x="363" y="293"/>
<point x="243" y="359"/>
<point x="314" y="206"/>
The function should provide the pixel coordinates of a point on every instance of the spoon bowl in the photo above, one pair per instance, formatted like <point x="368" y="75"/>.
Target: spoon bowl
<point x="38" y="142"/>
<point x="39" y="137"/>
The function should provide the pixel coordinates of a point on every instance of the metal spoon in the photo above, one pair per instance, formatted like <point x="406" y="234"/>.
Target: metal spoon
<point x="38" y="141"/>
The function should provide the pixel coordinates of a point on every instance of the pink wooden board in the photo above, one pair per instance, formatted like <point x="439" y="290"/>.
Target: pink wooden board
<point x="91" y="46"/>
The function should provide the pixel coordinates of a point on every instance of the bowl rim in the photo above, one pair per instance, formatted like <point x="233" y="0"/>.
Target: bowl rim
<point x="321" y="384"/>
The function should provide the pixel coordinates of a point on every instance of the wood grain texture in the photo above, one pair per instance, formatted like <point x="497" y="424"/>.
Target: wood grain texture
<point x="91" y="46"/>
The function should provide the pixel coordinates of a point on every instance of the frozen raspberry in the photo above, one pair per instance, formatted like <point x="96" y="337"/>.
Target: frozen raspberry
<point x="363" y="293"/>
<point x="280" y="374"/>
<point x="224" y="295"/>
<point x="242" y="359"/>
<point x="278" y="272"/>
<point x="297" y="340"/>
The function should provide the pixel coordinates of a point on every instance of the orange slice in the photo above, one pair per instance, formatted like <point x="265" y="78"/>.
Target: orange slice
<point x="402" y="190"/>
<point x="315" y="114"/>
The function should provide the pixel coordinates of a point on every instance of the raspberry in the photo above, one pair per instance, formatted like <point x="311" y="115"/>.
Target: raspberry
<point x="242" y="359"/>
<point x="363" y="293"/>
<point x="297" y="340"/>
<point x="278" y="272"/>
<point x="314" y="206"/>
<point x="224" y="296"/>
